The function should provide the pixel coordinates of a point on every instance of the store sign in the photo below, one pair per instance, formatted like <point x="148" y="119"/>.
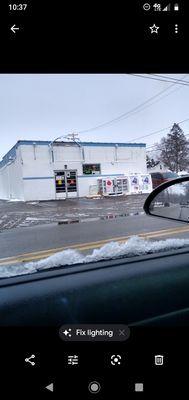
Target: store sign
<point x="134" y="180"/>
<point x="146" y="179"/>
<point x="146" y="184"/>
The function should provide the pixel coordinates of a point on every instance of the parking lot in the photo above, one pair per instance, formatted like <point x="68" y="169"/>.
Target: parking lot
<point x="15" y="214"/>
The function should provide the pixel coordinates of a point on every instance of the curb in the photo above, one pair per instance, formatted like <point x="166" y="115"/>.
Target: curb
<point x="68" y="221"/>
<point x="105" y="217"/>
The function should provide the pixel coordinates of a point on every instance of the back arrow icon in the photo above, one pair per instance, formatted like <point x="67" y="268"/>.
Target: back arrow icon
<point x="14" y="28"/>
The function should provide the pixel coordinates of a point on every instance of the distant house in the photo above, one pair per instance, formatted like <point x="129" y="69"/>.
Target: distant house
<point x="159" y="167"/>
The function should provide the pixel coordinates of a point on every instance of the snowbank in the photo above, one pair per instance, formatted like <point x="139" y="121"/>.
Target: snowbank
<point x="133" y="247"/>
<point x="182" y="173"/>
<point x="11" y="200"/>
<point x="179" y="189"/>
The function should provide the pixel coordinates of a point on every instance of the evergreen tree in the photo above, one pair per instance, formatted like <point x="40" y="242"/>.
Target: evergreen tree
<point x="174" y="150"/>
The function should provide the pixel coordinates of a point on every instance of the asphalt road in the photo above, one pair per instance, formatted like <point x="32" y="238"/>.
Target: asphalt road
<point x="26" y="244"/>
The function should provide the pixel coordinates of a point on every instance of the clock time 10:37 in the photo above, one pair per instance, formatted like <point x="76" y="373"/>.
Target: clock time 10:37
<point x="17" y="7"/>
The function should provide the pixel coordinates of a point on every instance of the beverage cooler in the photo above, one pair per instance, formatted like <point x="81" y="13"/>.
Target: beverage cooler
<point x="113" y="186"/>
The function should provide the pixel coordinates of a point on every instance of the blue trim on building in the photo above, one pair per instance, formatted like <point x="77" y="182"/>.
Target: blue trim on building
<point x="37" y="177"/>
<point x="12" y="151"/>
<point x="46" y="142"/>
<point x="79" y="176"/>
<point x="29" y="142"/>
<point x="98" y="176"/>
<point x="103" y="144"/>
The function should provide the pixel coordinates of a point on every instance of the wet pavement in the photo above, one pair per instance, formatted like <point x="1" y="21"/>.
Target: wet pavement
<point x="15" y="214"/>
<point x="51" y="238"/>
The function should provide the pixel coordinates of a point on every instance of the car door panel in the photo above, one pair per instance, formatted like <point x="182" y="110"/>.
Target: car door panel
<point x="123" y="291"/>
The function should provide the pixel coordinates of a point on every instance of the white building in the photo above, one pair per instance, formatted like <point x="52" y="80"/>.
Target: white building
<point x="44" y="170"/>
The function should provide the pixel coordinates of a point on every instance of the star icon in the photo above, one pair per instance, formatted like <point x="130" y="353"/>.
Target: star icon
<point x="67" y="332"/>
<point x="154" y="28"/>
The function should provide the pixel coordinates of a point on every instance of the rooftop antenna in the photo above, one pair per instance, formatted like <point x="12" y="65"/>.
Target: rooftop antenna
<point x="73" y="136"/>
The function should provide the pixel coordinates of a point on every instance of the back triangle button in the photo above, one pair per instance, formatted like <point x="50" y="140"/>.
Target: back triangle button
<point x="50" y="387"/>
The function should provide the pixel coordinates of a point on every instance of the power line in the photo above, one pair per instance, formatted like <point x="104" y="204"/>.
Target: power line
<point x="156" y="101"/>
<point x="154" y="145"/>
<point x="132" y="111"/>
<point x="179" y="82"/>
<point x="159" y="131"/>
<point x="169" y="78"/>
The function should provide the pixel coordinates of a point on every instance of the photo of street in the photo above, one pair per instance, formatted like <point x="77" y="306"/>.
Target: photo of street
<point x="69" y="184"/>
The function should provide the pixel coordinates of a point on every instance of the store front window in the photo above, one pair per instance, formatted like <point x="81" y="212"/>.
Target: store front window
<point x="91" y="169"/>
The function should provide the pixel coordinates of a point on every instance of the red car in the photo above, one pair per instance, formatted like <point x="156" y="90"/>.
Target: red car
<point x="161" y="177"/>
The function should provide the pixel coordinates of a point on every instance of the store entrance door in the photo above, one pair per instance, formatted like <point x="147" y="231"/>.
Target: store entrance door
<point x="66" y="184"/>
<point x="71" y="183"/>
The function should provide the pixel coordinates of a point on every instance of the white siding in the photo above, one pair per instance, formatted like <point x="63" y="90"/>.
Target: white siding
<point x="64" y="153"/>
<point x="39" y="189"/>
<point x="36" y="161"/>
<point x="32" y="173"/>
<point x="120" y="160"/>
<point x="97" y="154"/>
<point x="11" y="183"/>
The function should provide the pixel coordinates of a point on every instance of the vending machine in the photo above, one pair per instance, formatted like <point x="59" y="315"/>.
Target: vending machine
<point x="113" y="186"/>
<point x="106" y="186"/>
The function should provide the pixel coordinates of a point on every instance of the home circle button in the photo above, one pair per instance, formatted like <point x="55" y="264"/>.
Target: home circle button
<point x="94" y="387"/>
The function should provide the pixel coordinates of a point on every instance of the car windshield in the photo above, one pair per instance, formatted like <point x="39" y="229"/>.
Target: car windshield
<point x="78" y="153"/>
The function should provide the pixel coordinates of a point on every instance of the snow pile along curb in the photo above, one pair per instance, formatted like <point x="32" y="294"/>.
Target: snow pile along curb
<point x="133" y="247"/>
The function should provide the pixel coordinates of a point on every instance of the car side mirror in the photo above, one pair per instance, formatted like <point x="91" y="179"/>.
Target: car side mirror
<point x="170" y="200"/>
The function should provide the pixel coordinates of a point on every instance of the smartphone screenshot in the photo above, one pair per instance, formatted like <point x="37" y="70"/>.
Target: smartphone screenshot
<point x="94" y="200"/>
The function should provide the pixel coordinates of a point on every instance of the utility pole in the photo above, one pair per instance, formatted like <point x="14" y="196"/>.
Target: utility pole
<point x="73" y="137"/>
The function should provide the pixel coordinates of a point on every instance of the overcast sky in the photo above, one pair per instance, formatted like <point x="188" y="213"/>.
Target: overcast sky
<point x="43" y="107"/>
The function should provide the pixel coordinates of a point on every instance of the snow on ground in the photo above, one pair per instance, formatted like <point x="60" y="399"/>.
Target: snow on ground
<point x="182" y="173"/>
<point x="133" y="247"/>
<point x="179" y="189"/>
<point x="12" y="200"/>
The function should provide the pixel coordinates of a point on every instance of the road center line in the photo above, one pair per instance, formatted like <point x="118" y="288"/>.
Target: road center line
<point x="87" y="246"/>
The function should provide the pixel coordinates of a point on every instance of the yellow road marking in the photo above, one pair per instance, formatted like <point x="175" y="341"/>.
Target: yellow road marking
<point x="88" y="246"/>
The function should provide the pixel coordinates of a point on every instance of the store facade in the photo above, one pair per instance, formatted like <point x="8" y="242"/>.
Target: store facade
<point x="44" y="170"/>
